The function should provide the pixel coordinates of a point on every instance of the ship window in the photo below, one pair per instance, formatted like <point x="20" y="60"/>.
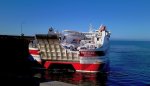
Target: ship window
<point x="97" y="39"/>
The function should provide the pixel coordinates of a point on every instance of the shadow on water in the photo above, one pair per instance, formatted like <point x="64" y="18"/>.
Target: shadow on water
<point x="77" y="78"/>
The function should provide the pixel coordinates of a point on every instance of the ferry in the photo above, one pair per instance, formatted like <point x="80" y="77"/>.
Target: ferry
<point x="81" y="51"/>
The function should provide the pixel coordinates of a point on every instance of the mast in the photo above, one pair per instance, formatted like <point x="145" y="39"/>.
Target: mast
<point x="21" y="30"/>
<point x="90" y="28"/>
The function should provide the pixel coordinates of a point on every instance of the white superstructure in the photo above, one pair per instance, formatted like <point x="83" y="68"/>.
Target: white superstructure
<point x="75" y="41"/>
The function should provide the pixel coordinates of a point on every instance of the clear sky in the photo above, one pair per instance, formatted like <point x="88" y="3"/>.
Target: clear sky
<point x="126" y="19"/>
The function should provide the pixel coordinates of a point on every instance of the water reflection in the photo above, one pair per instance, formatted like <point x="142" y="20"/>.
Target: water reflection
<point x="80" y="79"/>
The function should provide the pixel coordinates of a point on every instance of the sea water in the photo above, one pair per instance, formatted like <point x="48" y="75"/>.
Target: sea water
<point x="129" y="63"/>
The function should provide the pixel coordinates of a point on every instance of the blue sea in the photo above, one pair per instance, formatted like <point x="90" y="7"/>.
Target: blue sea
<point x="129" y="63"/>
<point x="129" y="66"/>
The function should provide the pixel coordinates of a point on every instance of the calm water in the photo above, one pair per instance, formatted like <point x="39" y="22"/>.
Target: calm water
<point x="129" y="63"/>
<point x="129" y="66"/>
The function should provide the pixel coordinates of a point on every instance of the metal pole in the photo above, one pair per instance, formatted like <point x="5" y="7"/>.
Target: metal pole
<point x="21" y="30"/>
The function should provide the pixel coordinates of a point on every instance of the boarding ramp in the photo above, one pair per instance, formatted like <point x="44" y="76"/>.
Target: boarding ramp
<point x="50" y="49"/>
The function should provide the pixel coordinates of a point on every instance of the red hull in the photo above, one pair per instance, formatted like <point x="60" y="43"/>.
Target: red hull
<point x="77" y="66"/>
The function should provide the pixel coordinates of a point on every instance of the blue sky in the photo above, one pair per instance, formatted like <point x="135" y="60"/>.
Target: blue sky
<point x="126" y="19"/>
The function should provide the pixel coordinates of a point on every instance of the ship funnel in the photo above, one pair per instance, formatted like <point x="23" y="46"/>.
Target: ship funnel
<point x="102" y="28"/>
